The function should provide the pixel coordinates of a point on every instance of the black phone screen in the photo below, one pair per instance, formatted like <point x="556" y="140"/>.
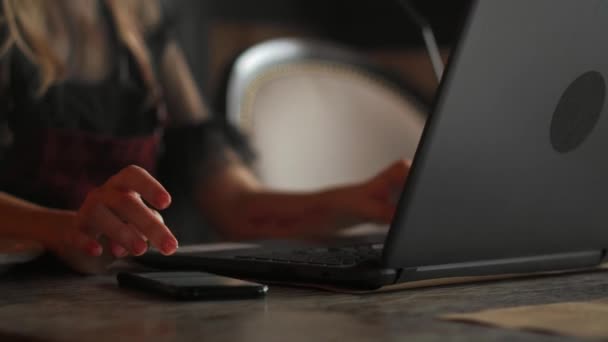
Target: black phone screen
<point x="191" y="285"/>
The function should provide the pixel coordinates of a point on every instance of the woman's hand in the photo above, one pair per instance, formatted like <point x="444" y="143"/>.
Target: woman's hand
<point x="117" y="211"/>
<point x="372" y="201"/>
<point x="262" y="214"/>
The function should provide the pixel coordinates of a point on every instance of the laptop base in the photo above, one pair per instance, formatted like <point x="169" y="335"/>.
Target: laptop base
<point x="366" y="275"/>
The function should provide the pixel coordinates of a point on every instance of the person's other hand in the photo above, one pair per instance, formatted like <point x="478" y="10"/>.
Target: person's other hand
<point x="118" y="211"/>
<point x="372" y="201"/>
<point x="267" y="214"/>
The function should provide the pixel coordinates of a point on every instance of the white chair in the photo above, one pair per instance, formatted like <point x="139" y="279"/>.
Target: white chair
<point x="319" y="115"/>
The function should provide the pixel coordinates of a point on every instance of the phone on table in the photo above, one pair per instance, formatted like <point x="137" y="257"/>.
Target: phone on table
<point x="191" y="285"/>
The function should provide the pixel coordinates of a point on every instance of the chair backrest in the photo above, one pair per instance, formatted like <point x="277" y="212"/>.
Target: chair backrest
<point x="319" y="115"/>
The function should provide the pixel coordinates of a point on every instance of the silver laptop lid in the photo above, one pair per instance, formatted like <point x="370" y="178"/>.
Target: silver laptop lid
<point x="513" y="161"/>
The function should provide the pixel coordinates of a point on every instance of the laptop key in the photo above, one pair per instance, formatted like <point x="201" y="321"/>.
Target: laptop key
<point x="334" y="256"/>
<point x="262" y="258"/>
<point x="348" y="261"/>
<point x="326" y="261"/>
<point x="299" y="258"/>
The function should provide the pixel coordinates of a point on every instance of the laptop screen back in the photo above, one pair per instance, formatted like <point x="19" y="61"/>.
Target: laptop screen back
<point x="513" y="160"/>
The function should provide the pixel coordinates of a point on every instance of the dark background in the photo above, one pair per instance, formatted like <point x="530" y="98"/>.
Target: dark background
<point x="359" y="24"/>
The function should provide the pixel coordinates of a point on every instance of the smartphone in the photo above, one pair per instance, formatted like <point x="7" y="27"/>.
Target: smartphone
<point x="191" y="285"/>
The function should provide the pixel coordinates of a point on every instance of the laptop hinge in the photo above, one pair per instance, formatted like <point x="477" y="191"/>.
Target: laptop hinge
<point x="515" y="266"/>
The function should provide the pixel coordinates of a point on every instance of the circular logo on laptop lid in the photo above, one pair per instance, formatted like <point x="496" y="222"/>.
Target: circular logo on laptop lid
<point x="578" y="112"/>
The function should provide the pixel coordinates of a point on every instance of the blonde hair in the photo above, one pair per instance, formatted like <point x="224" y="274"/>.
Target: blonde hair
<point x="33" y="25"/>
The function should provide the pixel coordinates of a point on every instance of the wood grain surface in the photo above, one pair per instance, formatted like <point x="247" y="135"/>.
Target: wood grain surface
<point x="40" y="305"/>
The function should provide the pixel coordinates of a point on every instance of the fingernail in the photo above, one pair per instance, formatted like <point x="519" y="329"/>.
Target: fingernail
<point x="164" y="200"/>
<point x="169" y="246"/>
<point x="94" y="249"/>
<point x="119" y="251"/>
<point x="139" y="247"/>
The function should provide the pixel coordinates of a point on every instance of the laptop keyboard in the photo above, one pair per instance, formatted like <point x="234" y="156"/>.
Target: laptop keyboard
<point x="334" y="256"/>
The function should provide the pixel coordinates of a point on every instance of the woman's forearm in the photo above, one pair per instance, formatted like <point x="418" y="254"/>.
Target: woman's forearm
<point x="25" y="220"/>
<point x="49" y="227"/>
<point x="222" y="192"/>
<point x="242" y="209"/>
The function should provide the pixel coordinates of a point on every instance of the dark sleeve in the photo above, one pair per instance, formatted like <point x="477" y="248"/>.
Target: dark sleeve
<point x="191" y="153"/>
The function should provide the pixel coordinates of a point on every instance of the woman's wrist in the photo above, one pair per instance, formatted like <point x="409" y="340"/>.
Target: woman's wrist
<point x="50" y="227"/>
<point x="58" y="238"/>
<point x="55" y="226"/>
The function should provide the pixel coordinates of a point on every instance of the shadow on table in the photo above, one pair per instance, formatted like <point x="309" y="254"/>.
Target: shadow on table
<point x="21" y="338"/>
<point x="468" y="281"/>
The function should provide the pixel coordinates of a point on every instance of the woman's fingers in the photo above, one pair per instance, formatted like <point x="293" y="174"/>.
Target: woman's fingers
<point x="117" y="250"/>
<point x="395" y="174"/>
<point x="117" y="211"/>
<point x="388" y="184"/>
<point x="73" y="238"/>
<point x="376" y="211"/>
<point x="376" y="199"/>
<point x="129" y="208"/>
<point x="84" y="243"/>
<point x="136" y="179"/>
<point x="104" y="221"/>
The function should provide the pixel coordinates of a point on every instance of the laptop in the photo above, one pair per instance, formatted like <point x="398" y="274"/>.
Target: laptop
<point x="511" y="175"/>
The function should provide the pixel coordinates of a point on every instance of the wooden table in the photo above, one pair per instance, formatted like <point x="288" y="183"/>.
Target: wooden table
<point x="60" y="307"/>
